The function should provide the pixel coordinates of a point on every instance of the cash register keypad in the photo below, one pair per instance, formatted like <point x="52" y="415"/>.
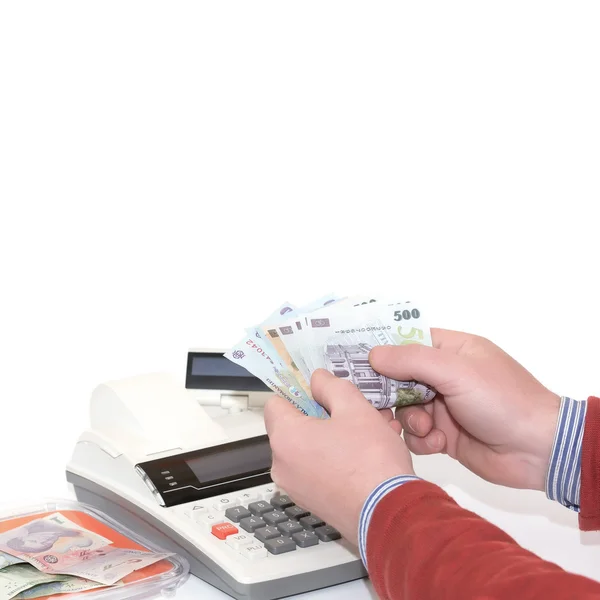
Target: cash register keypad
<point x="258" y="523"/>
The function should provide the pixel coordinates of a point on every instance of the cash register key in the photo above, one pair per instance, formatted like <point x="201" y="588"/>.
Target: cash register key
<point x="223" y="530"/>
<point x="296" y="512"/>
<point x="274" y="517"/>
<point x="246" y="497"/>
<point x="237" y="513"/>
<point x="290" y="527"/>
<point x="267" y="533"/>
<point x="251" y="524"/>
<point x="268" y="493"/>
<point x="224" y="503"/>
<point x="194" y="512"/>
<point x="239" y="540"/>
<point x="280" y="545"/>
<point x="305" y="539"/>
<point x="210" y="519"/>
<point x="311" y="522"/>
<point x="253" y="551"/>
<point x="281" y="502"/>
<point x="260" y="508"/>
<point x="327" y="533"/>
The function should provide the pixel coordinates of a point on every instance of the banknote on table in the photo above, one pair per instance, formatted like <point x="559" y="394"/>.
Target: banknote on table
<point x="54" y="545"/>
<point x="19" y="578"/>
<point x="51" y="543"/>
<point x="6" y="560"/>
<point x="108" y="565"/>
<point x="337" y="334"/>
<point x="69" y="585"/>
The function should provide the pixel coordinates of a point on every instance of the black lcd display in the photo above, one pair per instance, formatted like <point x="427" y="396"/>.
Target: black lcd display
<point x="212" y="371"/>
<point x="210" y="365"/>
<point x="211" y="471"/>
<point x="235" y="461"/>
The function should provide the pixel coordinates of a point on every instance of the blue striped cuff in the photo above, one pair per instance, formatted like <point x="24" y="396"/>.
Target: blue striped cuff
<point x="563" y="482"/>
<point x="369" y="507"/>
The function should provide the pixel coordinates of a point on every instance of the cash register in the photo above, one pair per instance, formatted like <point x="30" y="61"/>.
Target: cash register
<point x="188" y="466"/>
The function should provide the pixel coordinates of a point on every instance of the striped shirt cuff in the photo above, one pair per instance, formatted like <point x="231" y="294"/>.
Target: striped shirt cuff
<point x="563" y="482"/>
<point x="369" y="507"/>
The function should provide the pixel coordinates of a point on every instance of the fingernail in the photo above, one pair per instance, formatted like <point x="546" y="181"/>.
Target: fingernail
<point x="411" y="423"/>
<point x="434" y="441"/>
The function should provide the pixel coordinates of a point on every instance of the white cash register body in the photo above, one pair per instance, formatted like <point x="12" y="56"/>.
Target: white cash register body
<point x="169" y="461"/>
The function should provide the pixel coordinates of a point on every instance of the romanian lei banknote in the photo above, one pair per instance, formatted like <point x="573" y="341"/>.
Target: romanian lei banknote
<point x="336" y="334"/>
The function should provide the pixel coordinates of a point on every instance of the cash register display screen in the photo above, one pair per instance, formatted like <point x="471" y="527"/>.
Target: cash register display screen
<point x="212" y="371"/>
<point x="232" y="462"/>
<point x="216" y="365"/>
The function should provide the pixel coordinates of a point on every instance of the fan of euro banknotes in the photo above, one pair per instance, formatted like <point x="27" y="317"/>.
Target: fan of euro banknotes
<point x="336" y="334"/>
<point x="53" y="555"/>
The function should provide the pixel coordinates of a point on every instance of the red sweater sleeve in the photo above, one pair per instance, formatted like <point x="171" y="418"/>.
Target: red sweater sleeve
<point x="421" y="544"/>
<point x="589" y="499"/>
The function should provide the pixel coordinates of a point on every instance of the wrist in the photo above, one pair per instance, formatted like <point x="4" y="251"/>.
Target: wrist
<point x="368" y="508"/>
<point x="563" y="479"/>
<point x="539" y="430"/>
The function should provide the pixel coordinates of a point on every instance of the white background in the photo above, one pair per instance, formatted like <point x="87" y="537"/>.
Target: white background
<point x="170" y="172"/>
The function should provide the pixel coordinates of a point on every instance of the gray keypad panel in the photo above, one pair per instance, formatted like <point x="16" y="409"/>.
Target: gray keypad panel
<point x="279" y="526"/>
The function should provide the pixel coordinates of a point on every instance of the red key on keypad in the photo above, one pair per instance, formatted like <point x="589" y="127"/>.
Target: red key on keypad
<point x="223" y="530"/>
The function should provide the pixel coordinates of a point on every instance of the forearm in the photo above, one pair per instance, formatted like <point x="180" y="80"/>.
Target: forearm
<point x="420" y="544"/>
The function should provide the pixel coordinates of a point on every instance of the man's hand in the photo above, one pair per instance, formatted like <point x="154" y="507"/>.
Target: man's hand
<point x="331" y="466"/>
<point x="491" y="414"/>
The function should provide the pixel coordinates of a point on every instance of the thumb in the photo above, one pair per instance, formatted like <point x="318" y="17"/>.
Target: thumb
<point x="435" y="367"/>
<point x="337" y="396"/>
<point x="278" y="409"/>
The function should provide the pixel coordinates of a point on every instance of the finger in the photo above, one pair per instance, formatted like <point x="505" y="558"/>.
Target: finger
<point x="433" y="443"/>
<point x="396" y="426"/>
<point x="336" y="395"/>
<point x="277" y="410"/>
<point x="446" y="339"/>
<point x="386" y="414"/>
<point x="429" y="365"/>
<point x="415" y="420"/>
